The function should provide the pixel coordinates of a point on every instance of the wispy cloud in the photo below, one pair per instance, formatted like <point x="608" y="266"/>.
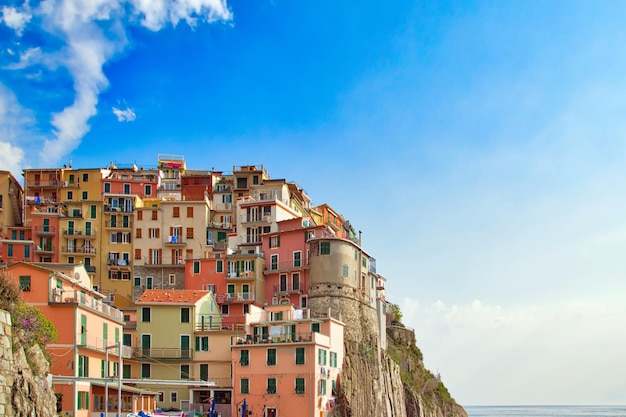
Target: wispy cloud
<point x="124" y="115"/>
<point x="16" y="19"/>
<point x="14" y="121"/>
<point x="91" y="33"/>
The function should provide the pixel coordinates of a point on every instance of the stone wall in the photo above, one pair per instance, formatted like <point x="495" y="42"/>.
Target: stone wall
<point x="25" y="388"/>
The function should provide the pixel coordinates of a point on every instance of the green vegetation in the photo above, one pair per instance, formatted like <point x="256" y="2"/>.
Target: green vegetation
<point x="396" y="314"/>
<point x="30" y="326"/>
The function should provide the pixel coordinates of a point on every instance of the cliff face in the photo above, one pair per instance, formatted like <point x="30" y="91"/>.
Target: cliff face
<point x="25" y="390"/>
<point x="374" y="381"/>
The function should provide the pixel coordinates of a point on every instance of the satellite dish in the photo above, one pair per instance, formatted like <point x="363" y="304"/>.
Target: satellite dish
<point x="76" y="275"/>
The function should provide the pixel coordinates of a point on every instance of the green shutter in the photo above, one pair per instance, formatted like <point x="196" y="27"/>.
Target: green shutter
<point x="197" y="343"/>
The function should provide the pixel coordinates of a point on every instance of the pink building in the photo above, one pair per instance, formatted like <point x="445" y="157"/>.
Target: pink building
<point x="288" y="364"/>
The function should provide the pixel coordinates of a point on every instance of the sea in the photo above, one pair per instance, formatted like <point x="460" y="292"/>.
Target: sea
<point x="545" y="411"/>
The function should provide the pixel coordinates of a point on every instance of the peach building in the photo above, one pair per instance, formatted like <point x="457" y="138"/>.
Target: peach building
<point x="87" y="349"/>
<point x="287" y="364"/>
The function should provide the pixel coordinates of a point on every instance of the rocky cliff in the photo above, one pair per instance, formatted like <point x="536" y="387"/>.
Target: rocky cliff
<point x="25" y="390"/>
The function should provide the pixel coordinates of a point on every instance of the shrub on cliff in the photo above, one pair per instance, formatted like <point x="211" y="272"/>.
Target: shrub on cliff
<point x="30" y="325"/>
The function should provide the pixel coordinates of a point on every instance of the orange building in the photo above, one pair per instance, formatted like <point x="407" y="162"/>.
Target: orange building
<point x="288" y="363"/>
<point x="86" y="351"/>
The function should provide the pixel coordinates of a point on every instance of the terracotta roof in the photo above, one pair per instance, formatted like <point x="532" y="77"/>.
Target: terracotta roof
<point x="171" y="296"/>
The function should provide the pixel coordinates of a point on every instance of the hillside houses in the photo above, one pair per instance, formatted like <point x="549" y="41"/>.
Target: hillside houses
<point x="189" y="287"/>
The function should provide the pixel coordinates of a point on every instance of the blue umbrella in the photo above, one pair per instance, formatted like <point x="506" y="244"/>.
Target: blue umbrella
<point x="212" y="413"/>
<point x="243" y="408"/>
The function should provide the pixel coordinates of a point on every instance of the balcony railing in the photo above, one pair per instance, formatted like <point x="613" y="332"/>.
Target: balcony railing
<point x="85" y="251"/>
<point x="162" y="353"/>
<point x="44" y="184"/>
<point x="90" y="269"/>
<point x="289" y="289"/>
<point x="302" y="337"/>
<point x="241" y="274"/>
<point x="221" y="225"/>
<point x="84" y="300"/>
<point x="111" y="209"/>
<point x="47" y="249"/>
<point x="175" y="240"/>
<point x="238" y="297"/>
<point x="45" y="230"/>
<point x="96" y="343"/>
<point x="86" y="233"/>
<point x="285" y="265"/>
<point x="164" y="261"/>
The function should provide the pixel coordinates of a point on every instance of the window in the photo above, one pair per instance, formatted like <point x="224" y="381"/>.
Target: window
<point x="219" y="266"/>
<point x="345" y="271"/>
<point x="202" y="343"/>
<point x="274" y="262"/>
<point x="172" y="279"/>
<point x="299" y="356"/>
<point x="297" y="259"/>
<point x="225" y="309"/>
<point x="271" y="356"/>
<point x="160" y="396"/>
<point x="92" y="211"/>
<point x="174" y="396"/>
<point x="299" y="385"/>
<point x="137" y="253"/>
<point x="85" y="177"/>
<point x="10" y="250"/>
<point x="244" y="357"/>
<point x="196" y="267"/>
<point x="126" y="371"/>
<point x="126" y="188"/>
<point x="154" y="233"/>
<point x="274" y="241"/>
<point x="138" y="233"/>
<point x="325" y="248"/>
<point x="83" y="366"/>
<point x="321" y="356"/>
<point x="204" y="372"/>
<point x="26" y="252"/>
<point x="148" y="190"/>
<point x="107" y="187"/>
<point x="83" y="400"/>
<point x="145" y="314"/>
<point x="271" y="385"/>
<point x="184" y="314"/>
<point x="190" y="233"/>
<point x="148" y="283"/>
<point x="176" y="212"/>
<point x="333" y="360"/>
<point x="25" y="283"/>
<point x="70" y="195"/>
<point x="322" y="387"/>
<point x="155" y="215"/>
<point x="244" y="385"/>
<point x="184" y="371"/>
<point x="189" y="211"/>
<point x="315" y="327"/>
<point x="139" y="215"/>
<point x="85" y="195"/>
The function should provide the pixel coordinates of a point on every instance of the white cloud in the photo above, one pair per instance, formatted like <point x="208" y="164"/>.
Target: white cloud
<point x="530" y="354"/>
<point x="13" y="121"/>
<point x="15" y="19"/>
<point x="92" y="33"/>
<point x="126" y="115"/>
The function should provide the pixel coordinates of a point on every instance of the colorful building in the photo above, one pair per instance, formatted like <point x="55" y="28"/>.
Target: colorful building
<point x="288" y="363"/>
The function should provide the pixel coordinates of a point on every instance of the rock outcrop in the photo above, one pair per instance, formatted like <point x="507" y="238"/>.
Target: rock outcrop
<point x="25" y="390"/>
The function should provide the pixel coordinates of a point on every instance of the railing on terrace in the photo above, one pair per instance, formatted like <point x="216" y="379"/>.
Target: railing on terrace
<point x="93" y="342"/>
<point x="221" y="225"/>
<point x="300" y="337"/>
<point x="44" y="250"/>
<point x="84" y="300"/>
<point x="45" y="230"/>
<point x="285" y="265"/>
<point x="71" y="249"/>
<point x="74" y="214"/>
<point x="110" y="209"/>
<point x="162" y="353"/>
<point x="80" y="232"/>
<point x="235" y="297"/>
<point x="175" y="240"/>
<point x="164" y="261"/>
<point x="44" y="183"/>
<point x="289" y="289"/>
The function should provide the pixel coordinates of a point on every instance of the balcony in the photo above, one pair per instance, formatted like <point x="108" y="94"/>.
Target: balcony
<point x="45" y="250"/>
<point x="117" y="225"/>
<point x="84" y="300"/>
<point x="90" y="269"/>
<point x="116" y="209"/>
<point x="266" y="218"/>
<point x="240" y="275"/>
<point x="44" y="184"/>
<point x="118" y="262"/>
<point x="165" y="261"/>
<point x="95" y="343"/>
<point x="285" y="266"/>
<point x="162" y="353"/>
<point x="86" y="233"/>
<point x="301" y="337"/>
<point x="175" y="241"/>
<point x="238" y="297"/>
<point x="74" y="214"/>
<point x="221" y="225"/>
<point x="80" y="251"/>
<point x="285" y="289"/>
<point x="45" y="230"/>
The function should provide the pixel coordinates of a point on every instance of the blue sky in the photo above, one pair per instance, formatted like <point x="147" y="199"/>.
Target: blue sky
<point x="478" y="145"/>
